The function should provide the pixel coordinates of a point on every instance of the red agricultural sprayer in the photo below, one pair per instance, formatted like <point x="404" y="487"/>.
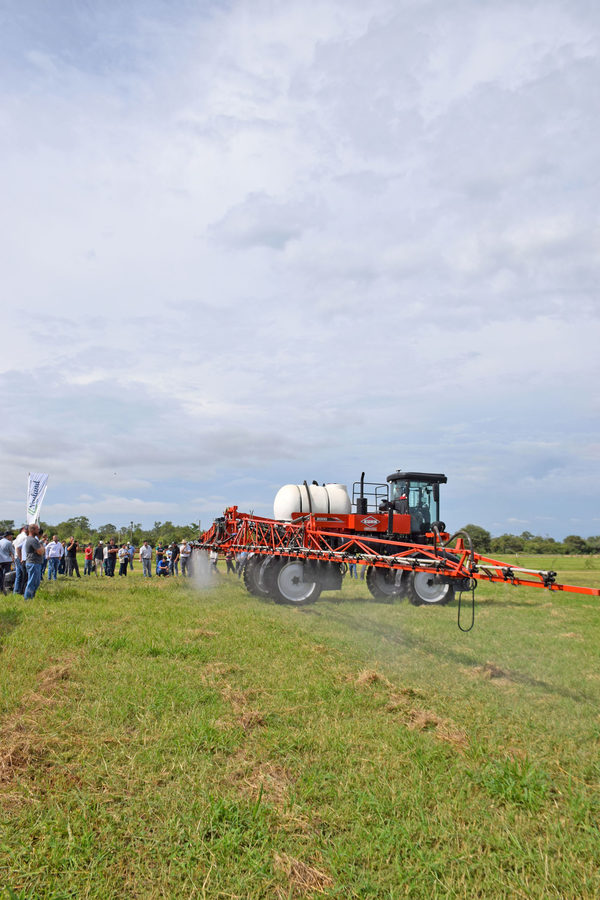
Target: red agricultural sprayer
<point x="393" y="530"/>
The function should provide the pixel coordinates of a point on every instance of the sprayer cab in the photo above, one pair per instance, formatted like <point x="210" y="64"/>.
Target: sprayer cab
<point x="416" y="494"/>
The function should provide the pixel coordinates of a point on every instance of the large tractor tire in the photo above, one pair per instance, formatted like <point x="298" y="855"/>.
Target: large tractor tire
<point x="285" y="580"/>
<point x="253" y="575"/>
<point x="386" y="584"/>
<point x="425" y="588"/>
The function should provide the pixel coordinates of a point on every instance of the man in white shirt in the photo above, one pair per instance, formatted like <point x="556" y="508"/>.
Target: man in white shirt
<point x="146" y="558"/>
<point x="185" y="552"/>
<point x="20" y="570"/>
<point x="54" y="551"/>
<point x="7" y="555"/>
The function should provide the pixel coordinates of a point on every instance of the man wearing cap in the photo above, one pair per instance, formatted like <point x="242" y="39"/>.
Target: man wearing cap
<point x="7" y="555"/>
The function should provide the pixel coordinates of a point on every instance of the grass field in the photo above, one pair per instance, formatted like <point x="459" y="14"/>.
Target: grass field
<point x="158" y="740"/>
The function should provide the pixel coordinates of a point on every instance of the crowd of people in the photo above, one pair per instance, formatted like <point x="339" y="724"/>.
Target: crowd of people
<point x="32" y="554"/>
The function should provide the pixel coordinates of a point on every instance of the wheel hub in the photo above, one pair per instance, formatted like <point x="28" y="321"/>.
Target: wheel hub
<point x="292" y="585"/>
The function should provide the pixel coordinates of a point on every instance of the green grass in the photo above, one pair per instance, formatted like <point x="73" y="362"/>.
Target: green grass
<point x="162" y="741"/>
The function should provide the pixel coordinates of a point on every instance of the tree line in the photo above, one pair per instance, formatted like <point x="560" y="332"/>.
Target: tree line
<point x="526" y="542"/>
<point x="80" y="528"/>
<point x="166" y="532"/>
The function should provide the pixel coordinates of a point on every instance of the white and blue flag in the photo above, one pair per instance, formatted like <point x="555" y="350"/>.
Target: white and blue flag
<point x="36" y="491"/>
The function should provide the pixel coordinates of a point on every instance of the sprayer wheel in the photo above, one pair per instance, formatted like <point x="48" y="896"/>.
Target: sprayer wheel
<point x="252" y="576"/>
<point x="286" y="583"/>
<point x="424" y="588"/>
<point x="385" y="584"/>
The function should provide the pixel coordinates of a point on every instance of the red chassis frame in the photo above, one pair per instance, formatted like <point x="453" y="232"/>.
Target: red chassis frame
<point x="312" y="537"/>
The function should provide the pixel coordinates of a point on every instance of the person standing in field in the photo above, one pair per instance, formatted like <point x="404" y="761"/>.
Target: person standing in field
<point x="33" y="551"/>
<point x="229" y="560"/>
<point x="20" y="570"/>
<point x="123" y="555"/>
<point x="131" y="553"/>
<point x="88" y="559"/>
<point x="184" y="555"/>
<point x="111" y="558"/>
<point x="44" y="541"/>
<point x="240" y="562"/>
<point x="214" y="559"/>
<point x="72" y="564"/>
<point x="62" y="563"/>
<point x="54" y="553"/>
<point x="7" y="555"/>
<point x="146" y="558"/>
<point x="174" y="562"/>
<point x="99" y="559"/>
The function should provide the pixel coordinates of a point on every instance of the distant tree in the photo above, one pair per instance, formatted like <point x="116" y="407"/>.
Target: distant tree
<point x="507" y="543"/>
<point x="481" y="538"/>
<point x="82" y="523"/>
<point x="593" y="543"/>
<point x="7" y="525"/>
<point x="539" y="544"/>
<point x="169" y="532"/>
<point x="575" y="544"/>
<point x="78" y="526"/>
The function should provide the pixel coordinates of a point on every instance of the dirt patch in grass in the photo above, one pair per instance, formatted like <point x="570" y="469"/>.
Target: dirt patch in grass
<point x="240" y="700"/>
<point x="401" y="701"/>
<point x="262" y="779"/>
<point x="53" y="675"/>
<point x="370" y="676"/>
<point x="302" y="880"/>
<point x="252" y="719"/>
<point x="444" y="730"/>
<point x="241" y="703"/>
<point x="400" y="698"/>
<point x="266" y="781"/>
<point x="199" y="633"/>
<point x="573" y="635"/>
<point x="215" y="670"/>
<point x="21" y="744"/>
<point x="491" y="672"/>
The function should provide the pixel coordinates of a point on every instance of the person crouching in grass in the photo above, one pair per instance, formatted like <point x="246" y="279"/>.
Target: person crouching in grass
<point x="163" y="567"/>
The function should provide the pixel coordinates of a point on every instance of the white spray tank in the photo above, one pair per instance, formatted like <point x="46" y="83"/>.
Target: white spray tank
<point x="316" y="498"/>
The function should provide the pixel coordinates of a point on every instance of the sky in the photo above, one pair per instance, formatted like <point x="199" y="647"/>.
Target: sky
<point x="246" y="244"/>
